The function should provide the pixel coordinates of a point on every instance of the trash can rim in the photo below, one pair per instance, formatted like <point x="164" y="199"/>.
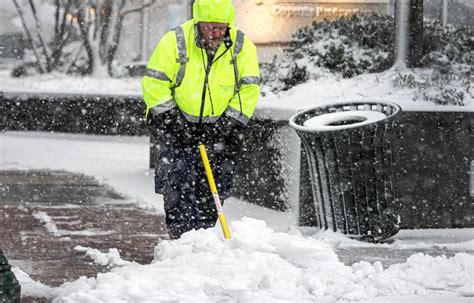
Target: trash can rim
<point x="298" y="127"/>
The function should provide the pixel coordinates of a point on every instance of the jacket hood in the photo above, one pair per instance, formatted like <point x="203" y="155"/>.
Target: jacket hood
<point x="221" y="11"/>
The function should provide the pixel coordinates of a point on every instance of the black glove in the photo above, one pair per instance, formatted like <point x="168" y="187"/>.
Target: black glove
<point x="229" y="128"/>
<point x="170" y="125"/>
<point x="169" y="120"/>
<point x="230" y="132"/>
<point x="220" y="131"/>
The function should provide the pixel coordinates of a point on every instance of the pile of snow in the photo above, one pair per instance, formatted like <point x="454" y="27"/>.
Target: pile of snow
<point x="110" y="258"/>
<point x="30" y="287"/>
<point x="260" y="265"/>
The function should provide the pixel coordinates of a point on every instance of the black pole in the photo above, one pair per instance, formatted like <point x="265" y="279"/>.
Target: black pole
<point x="191" y="8"/>
<point x="415" y="33"/>
<point x="10" y="290"/>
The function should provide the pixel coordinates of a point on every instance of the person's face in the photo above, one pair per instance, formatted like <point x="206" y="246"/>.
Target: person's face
<point x="212" y="33"/>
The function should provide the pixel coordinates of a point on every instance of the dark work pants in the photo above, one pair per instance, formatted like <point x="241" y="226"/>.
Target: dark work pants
<point x="181" y="178"/>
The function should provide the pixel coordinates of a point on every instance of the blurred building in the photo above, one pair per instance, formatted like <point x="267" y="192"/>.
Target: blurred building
<point x="144" y="29"/>
<point x="269" y="23"/>
<point x="274" y="21"/>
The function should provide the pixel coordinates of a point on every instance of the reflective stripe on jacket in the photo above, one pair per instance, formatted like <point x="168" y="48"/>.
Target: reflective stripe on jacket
<point x="176" y="75"/>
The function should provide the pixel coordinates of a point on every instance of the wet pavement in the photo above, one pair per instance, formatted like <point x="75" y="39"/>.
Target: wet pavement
<point x="85" y="213"/>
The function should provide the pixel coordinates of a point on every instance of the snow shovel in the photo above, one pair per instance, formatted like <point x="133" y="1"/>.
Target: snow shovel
<point x="212" y="184"/>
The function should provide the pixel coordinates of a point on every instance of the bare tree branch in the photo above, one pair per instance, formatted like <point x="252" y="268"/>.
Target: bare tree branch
<point x="75" y="58"/>
<point x="56" y="17"/>
<point x="28" y="35"/>
<point x="87" y="45"/>
<point x="59" y="38"/>
<point x="134" y="10"/>
<point x="106" y="11"/>
<point x="40" y="37"/>
<point x="99" y="25"/>
<point x="114" y="44"/>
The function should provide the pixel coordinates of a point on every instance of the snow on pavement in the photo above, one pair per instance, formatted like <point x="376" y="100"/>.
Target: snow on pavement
<point x="110" y="258"/>
<point x="121" y="162"/>
<point x="260" y="265"/>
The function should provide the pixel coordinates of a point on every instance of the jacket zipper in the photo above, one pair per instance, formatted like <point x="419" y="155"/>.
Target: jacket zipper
<point x="206" y="83"/>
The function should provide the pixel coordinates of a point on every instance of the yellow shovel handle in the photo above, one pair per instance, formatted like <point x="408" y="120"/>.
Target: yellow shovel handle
<point x="212" y="185"/>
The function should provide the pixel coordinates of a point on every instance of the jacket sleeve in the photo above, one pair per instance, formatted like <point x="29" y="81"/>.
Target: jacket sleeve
<point x="242" y="105"/>
<point x="160" y="75"/>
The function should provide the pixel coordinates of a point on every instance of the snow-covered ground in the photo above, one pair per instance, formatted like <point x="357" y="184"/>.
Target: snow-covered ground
<point x="260" y="265"/>
<point x="267" y="260"/>
<point x="118" y="161"/>
<point x="57" y="83"/>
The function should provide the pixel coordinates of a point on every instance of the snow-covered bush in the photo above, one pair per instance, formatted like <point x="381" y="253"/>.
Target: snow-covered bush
<point x="348" y="46"/>
<point x="449" y="53"/>
<point x="365" y="44"/>
<point x="443" y="94"/>
<point x="360" y="44"/>
<point x="405" y="80"/>
<point x="437" y="87"/>
<point x="280" y="75"/>
<point x="443" y="47"/>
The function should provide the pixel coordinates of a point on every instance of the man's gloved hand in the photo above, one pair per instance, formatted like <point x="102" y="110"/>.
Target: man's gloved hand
<point x="228" y="127"/>
<point x="230" y="132"/>
<point x="164" y="121"/>
<point x="171" y="125"/>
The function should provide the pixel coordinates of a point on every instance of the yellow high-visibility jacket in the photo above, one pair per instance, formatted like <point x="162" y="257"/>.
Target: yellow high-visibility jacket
<point x="178" y="70"/>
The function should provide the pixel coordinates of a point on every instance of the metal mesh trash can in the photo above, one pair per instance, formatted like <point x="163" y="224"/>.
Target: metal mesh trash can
<point x="348" y="148"/>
